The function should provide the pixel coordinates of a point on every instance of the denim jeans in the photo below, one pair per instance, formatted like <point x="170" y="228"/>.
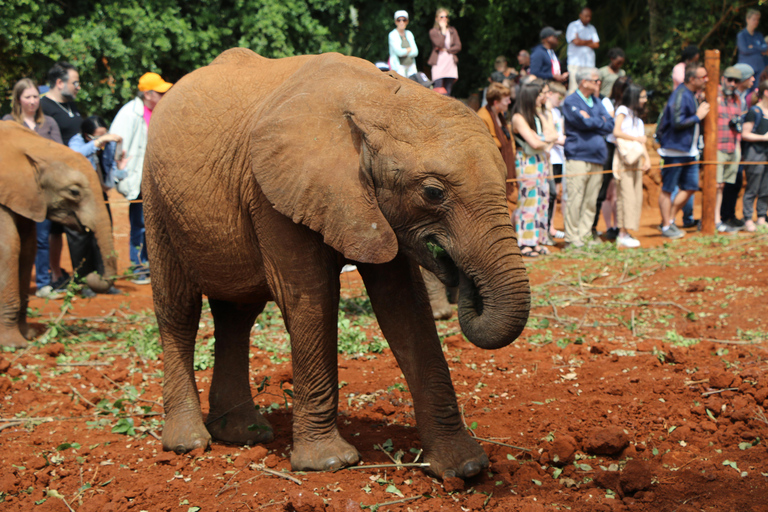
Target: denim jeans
<point x="138" y="248"/>
<point x="43" y="255"/>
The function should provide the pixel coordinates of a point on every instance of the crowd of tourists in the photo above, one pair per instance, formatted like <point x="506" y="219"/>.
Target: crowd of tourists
<point x="575" y="133"/>
<point x="568" y="132"/>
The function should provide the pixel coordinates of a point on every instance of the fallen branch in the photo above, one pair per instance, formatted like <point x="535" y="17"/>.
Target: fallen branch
<point x="502" y="444"/>
<point x="94" y="363"/>
<point x="82" y="397"/>
<point x="378" y="466"/>
<point x="12" y="424"/>
<point x="718" y="391"/>
<point x="272" y="472"/>
<point x="394" y="502"/>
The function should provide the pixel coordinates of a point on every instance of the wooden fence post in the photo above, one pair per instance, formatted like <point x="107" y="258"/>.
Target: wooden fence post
<point x="709" y="170"/>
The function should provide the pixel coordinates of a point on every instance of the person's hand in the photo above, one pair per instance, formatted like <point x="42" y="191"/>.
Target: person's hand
<point x="641" y="139"/>
<point x="646" y="164"/>
<point x="122" y="163"/>
<point x="109" y="137"/>
<point x="584" y="114"/>
<point x="702" y="111"/>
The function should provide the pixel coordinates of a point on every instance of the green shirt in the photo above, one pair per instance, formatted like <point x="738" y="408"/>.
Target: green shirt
<point x="589" y="101"/>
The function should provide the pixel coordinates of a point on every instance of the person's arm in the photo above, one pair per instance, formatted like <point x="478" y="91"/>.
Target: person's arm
<point x="681" y="120"/>
<point x="620" y="134"/>
<point x="541" y="66"/>
<point x="77" y="143"/>
<point x="55" y="131"/>
<point x="412" y="43"/>
<point x="455" y="42"/>
<point x="571" y="33"/>
<point x="395" y="46"/>
<point x="748" y="126"/>
<point x="574" y="118"/>
<point x="438" y="39"/>
<point x="531" y="137"/>
<point x="747" y="45"/>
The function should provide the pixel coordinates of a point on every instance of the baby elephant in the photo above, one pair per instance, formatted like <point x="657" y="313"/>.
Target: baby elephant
<point x="41" y="179"/>
<point x="262" y="179"/>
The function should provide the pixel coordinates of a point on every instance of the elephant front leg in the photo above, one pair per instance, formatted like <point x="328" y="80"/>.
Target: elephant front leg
<point x="10" y="287"/>
<point x="400" y="300"/>
<point x="232" y="417"/>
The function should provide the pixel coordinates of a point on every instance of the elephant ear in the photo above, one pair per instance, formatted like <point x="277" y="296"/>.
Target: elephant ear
<point x="19" y="175"/>
<point x="311" y="152"/>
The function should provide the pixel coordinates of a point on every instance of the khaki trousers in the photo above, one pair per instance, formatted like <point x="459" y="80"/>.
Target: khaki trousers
<point x="572" y="85"/>
<point x="582" y="199"/>
<point x="630" y="197"/>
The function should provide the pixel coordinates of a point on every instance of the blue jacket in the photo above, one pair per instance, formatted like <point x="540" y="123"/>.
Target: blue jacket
<point x="584" y="137"/>
<point x="678" y="120"/>
<point x="541" y="65"/>
<point x="751" y="48"/>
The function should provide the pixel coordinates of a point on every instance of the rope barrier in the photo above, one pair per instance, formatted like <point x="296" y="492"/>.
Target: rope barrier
<point x="703" y="162"/>
<point x="665" y="166"/>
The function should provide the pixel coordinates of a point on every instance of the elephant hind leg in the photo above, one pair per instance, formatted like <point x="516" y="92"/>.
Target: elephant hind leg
<point x="177" y="307"/>
<point x="232" y="417"/>
<point x="438" y="299"/>
<point x="13" y="294"/>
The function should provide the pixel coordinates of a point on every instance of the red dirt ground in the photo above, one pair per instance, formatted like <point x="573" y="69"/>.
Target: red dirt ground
<point x="639" y="385"/>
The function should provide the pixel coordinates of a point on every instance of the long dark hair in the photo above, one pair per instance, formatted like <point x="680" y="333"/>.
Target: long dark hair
<point x="631" y="100"/>
<point x="90" y="124"/>
<point x="526" y="102"/>
<point x="617" y="91"/>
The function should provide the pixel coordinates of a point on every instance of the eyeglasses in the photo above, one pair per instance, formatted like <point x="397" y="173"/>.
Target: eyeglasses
<point x="443" y="16"/>
<point x="400" y="20"/>
<point x="729" y="79"/>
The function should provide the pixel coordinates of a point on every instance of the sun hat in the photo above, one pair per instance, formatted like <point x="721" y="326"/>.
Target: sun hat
<point x="153" y="82"/>
<point x="401" y="14"/>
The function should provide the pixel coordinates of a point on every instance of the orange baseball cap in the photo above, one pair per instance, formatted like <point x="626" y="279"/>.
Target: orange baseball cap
<point x="153" y="82"/>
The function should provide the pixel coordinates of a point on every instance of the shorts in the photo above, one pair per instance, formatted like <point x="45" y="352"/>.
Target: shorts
<point x="727" y="171"/>
<point x="56" y="228"/>
<point x="686" y="177"/>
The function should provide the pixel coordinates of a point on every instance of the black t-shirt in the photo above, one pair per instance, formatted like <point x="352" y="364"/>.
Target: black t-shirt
<point x="66" y="116"/>
<point x="760" y="129"/>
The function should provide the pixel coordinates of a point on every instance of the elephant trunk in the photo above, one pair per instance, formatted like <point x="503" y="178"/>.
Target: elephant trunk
<point x="495" y="299"/>
<point x="97" y="220"/>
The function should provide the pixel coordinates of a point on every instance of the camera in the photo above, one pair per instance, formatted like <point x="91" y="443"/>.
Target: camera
<point x="735" y="124"/>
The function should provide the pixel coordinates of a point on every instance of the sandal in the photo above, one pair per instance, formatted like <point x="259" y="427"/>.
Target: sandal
<point x="543" y="251"/>
<point x="529" y="252"/>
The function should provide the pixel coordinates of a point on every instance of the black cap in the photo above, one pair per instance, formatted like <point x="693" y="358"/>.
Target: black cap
<point x="549" y="31"/>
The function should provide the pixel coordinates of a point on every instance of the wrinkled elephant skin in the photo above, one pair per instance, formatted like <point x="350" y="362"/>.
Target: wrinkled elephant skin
<point x="262" y="179"/>
<point x="41" y="179"/>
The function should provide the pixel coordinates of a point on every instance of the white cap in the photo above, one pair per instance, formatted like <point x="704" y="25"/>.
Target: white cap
<point x="401" y="14"/>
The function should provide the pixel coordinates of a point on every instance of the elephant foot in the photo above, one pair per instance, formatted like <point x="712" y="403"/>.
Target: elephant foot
<point x="441" y="309"/>
<point x="31" y="332"/>
<point x="242" y="425"/>
<point x="460" y="456"/>
<point x="183" y="434"/>
<point x="323" y="455"/>
<point x="12" y="338"/>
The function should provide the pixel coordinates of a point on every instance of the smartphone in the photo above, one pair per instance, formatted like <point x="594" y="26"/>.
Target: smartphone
<point x="119" y="151"/>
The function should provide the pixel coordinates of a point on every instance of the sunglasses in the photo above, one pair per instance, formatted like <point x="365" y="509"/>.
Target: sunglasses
<point x="399" y="20"/>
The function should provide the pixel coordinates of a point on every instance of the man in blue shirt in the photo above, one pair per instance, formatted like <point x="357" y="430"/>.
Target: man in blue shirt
<point x="752" y="45"/>
<point x="586" y="123"/>
<point x="679" y="131"/>
<point x="544" y="61"/>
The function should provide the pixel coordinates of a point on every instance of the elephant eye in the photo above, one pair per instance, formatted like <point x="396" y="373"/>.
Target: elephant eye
<point x="75" y="193"/>
<point x="434" y="194"/>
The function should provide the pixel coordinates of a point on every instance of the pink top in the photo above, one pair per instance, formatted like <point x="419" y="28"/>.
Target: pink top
<point x="446" y="66"/>
<point x="147" y="115"/>
<point x="678" y="74"/>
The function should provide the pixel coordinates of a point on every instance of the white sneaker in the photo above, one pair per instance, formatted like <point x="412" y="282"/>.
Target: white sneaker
<point x="627" y="241"/>
<point x="47" y="292"/>
<point x="348" y="268"/>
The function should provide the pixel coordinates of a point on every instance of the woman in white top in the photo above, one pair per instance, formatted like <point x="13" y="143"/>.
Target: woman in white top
<point x="402" y="47"/>
<point x="630" y="161"/>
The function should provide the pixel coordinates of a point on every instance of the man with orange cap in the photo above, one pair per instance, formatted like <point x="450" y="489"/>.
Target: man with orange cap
<point x="131" y="124"/>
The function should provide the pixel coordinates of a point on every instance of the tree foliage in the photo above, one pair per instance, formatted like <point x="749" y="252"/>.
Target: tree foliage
<point x="114" y="42"/>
